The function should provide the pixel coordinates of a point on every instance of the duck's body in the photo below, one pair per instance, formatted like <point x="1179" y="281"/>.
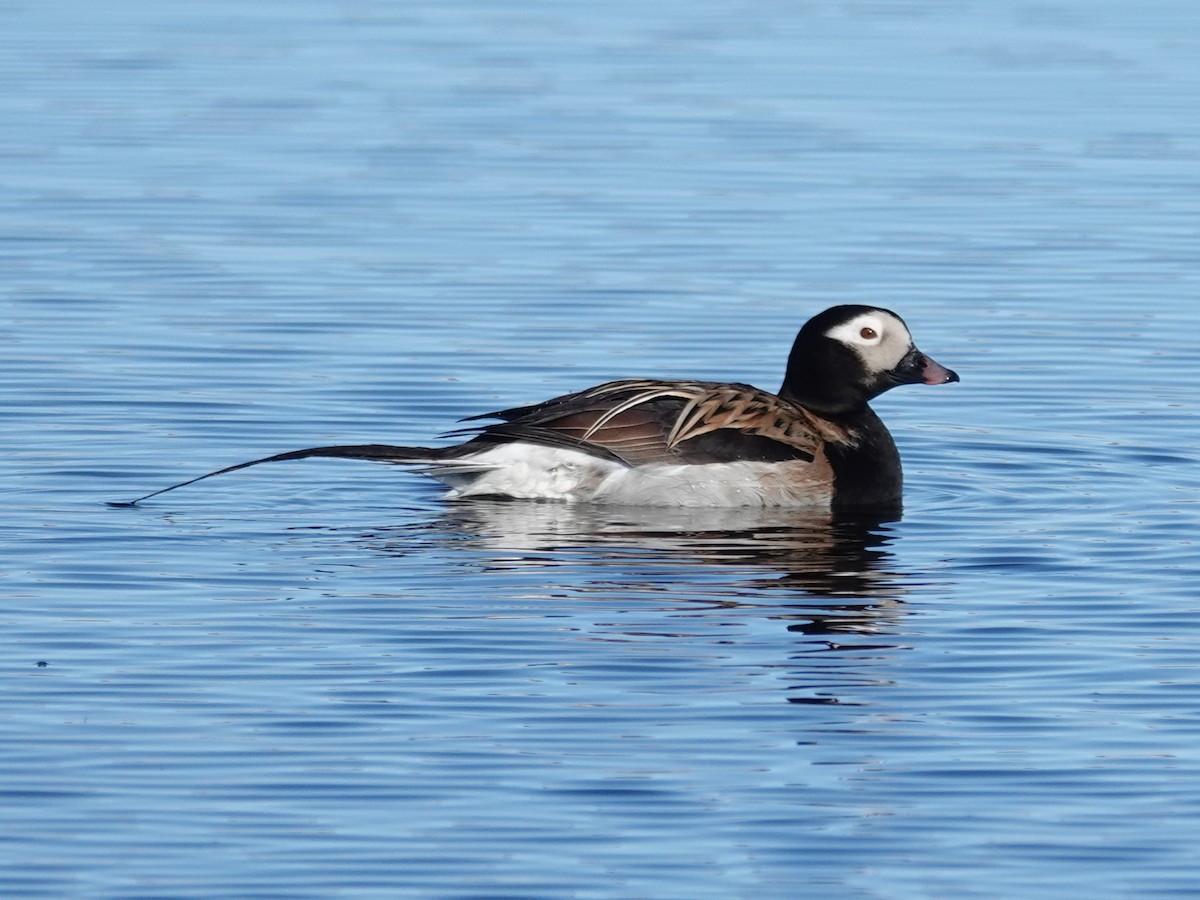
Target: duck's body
<point x="653" y="443"/>
<point x="817" y="443"/>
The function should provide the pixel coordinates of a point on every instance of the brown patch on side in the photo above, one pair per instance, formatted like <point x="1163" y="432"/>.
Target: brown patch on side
<point x="643" y="422"/>
<point x="800" y="483"/>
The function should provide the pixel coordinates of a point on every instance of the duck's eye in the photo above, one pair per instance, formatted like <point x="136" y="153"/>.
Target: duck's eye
<point x="868" y="334"/>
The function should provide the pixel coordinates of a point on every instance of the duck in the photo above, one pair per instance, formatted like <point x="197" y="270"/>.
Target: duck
<point x="816" y="443"/>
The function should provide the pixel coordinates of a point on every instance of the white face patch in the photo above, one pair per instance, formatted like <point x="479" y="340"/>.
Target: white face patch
<point x="879" y="338"/>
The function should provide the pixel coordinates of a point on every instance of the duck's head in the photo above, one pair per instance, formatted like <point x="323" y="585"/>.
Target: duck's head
<point x="847" y="355"/>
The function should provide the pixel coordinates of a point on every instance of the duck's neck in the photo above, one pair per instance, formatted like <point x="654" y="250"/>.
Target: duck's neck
<point x="866" y="469"/>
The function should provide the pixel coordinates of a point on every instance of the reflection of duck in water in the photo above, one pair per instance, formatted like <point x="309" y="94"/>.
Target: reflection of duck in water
<point x="817" y="444"/>
<point x="792" y="561"/>
<point x="707" y="576"/>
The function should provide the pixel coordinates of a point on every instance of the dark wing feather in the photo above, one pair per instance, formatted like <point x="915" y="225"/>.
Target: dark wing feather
<point x="639" y="422"/>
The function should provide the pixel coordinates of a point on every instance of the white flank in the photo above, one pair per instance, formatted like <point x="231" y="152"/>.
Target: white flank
<point x="533" y="472"/>
<point x="526" y="471"/>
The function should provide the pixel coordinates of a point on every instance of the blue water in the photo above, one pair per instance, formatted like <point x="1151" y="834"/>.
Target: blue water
<point x="228" y="230"/>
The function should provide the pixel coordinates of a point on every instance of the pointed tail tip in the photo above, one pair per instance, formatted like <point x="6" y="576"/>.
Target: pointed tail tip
<point x="377" y="452"/>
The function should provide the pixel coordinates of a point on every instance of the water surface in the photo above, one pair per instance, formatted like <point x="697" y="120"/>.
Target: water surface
<point x="231" y="230"/>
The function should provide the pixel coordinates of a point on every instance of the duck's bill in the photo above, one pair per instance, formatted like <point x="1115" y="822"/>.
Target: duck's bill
<point x="933" y="372"/>
<point x="917" y="368"/>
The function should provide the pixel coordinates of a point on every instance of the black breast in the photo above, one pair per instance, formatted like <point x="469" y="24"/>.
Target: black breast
<point x="866" y="473"/>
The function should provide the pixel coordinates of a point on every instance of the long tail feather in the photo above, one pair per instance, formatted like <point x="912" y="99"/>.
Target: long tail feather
<point x="377" y="452"/>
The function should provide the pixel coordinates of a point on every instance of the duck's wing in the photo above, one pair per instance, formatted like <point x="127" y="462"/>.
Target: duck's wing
<point x="642" y="422"/>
